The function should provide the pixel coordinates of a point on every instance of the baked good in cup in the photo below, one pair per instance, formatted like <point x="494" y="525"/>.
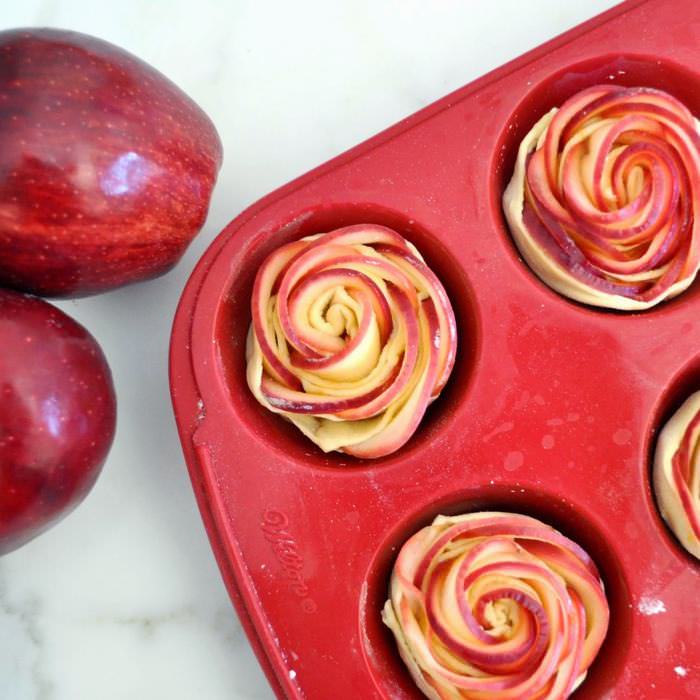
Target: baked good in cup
<point x="677" y="474"/>
<point x="603" y="201"/>
<point x="495" y="606"/>
<point x="352" y="337"/>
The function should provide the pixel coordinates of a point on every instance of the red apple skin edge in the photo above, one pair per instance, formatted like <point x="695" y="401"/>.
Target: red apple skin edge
<point x="106" y="167"/>
<point x="57" y="416"/>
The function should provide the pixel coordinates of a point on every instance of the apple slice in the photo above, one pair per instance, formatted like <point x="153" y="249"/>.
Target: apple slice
<point x="495" y="605"/>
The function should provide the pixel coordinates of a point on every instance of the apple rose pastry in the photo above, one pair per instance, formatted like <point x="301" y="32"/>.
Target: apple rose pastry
<point x="496" y="606"/>
<point x="352" y="337"/>
<point x="602" y="203"/>
<point x="677" y="474"/>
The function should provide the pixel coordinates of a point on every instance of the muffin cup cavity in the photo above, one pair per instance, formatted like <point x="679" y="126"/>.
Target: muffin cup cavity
<point x="684" y="383"/>
<point x="390" y="675"/>
<point x="611" y="69"/>
<point x="233" y="321"/>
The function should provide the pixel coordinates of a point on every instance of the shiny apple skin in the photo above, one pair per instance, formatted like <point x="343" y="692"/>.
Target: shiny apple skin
<point x="106" y="167"/>
<point x="57" y="416"/>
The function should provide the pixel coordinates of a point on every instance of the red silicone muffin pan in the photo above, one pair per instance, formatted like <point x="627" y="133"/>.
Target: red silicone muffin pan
<point x="552" y="409"/>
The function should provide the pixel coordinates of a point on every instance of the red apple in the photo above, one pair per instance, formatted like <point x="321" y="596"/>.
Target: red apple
<point x="57" y="416"/>
<point x="106" y="167"/>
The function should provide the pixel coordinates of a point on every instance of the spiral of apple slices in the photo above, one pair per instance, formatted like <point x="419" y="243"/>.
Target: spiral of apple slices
<point x="603" y="201"/>
<point x="352" y="337"/>
<point x="677" y="474"/>
<point x="495" y="606"/>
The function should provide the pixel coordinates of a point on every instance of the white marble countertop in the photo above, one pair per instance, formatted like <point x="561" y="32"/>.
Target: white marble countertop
<point x="123" y="598"/>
